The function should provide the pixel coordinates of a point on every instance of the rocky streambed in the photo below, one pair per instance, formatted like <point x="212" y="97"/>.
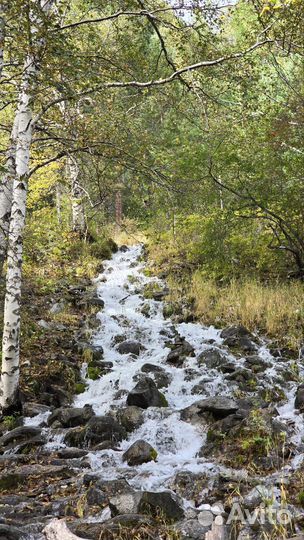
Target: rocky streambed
<point x="177" y="425"/>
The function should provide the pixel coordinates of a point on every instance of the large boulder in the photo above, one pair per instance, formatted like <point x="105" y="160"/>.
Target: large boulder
<point x="129" y="347"/>
<point x="130" y="417"/>
<point x="140" y="452"/>
<point x="146" y="394"/>
<point x="71" y="416"/>
<point x="161" y="377"/>
<point x="238" y="337"/>
<point x="163" y="503"/>
<point x="216" y="407"/>
<point x="212" y="358"/>
<point x="102" y="429"/>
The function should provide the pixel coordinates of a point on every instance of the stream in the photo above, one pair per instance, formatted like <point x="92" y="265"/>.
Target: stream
<point x="127" y="315"/>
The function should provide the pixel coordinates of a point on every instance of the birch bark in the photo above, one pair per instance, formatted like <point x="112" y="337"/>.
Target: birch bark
<point x="11" y="322"/>
<point x="78" y="213"/>
<point x="6" y="192"/>
<point x="2" y="35"/>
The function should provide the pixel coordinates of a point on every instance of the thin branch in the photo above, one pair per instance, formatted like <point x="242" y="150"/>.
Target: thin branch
<point x="153" y="83"/>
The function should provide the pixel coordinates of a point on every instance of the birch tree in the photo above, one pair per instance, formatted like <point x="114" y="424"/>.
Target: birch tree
<point x="24" y="129"/>
<point x="78" y="212"/>
<point x="6" y="191"/>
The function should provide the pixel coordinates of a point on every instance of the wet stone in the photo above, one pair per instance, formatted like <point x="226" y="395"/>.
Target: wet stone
<point x="130" y="417"/>
<point x="129" y="347"/>
<point x="165" y="502"/>
<point x="212" y="358"/>
<point x="71" y="417"/>
<point x="139" y="452"/>
<point x="146" y="394"/>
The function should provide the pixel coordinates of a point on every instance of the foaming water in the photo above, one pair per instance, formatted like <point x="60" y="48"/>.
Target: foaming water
<point x="177" y="442"/>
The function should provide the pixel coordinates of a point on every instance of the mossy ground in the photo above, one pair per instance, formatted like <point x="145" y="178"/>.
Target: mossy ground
<point x="49" y="356"/>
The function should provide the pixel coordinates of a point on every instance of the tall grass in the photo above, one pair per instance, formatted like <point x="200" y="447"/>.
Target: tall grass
<point x="277" y="309"/>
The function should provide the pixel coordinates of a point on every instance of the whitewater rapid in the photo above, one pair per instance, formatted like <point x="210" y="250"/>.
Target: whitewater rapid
<point x="177" y="442"/>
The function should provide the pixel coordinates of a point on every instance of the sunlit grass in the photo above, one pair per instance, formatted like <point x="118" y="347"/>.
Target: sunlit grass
<point x="276" y="309"/>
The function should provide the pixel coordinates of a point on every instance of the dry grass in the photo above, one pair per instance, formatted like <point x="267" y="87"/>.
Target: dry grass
<point x="275" y="309"/>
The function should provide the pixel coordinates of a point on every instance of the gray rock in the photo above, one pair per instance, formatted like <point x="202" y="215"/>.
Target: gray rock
<point x="212" y="358"/>
<point x="19" y="434"/>
<point x="71" y="453"/>
<point x="218" y="407"/>
<point x="192" y="529"/>
<point x="256" y="363"/>
<point x="75" y="437"/>
<point x="139" y="452"/>
<point x="299" y="401"/>
<point x="161" y="377"/>
<point x="103" y="429"/>
<point x="8" y="532"/>
<point x="164" y="502"/>
<point x="236" y="331"/>
<point x="199" y="388"/>
<point x="71" y="416"/>
<point x="256" y="496"/>
<point x="190" y="486"/>
<point x="130" y="417"/>
<point x="43" y="324"/>
<point x="58" y="307"/>
<point x="112" y="488"/>
<point x="91" y="297"/>
<point x="31" y="409"/>
<point x="239" y="337"/>
<point x="95" y="497"/>
<point x="126" y="503"/>
<point x="240" y="374"/>
<point x="129" y="347"/>
<point x="180" y="350"/>
<point x="146" y="394"/>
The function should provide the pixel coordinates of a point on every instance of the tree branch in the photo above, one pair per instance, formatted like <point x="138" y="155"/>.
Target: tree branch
<point x="153" y="83"/>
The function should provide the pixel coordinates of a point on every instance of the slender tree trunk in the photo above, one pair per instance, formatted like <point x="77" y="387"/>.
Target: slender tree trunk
<point x="58" y="203"/>
<point x="11" y="320"/>
<point x="6" y="192"/>
<point x="78" y="213"/>
<point x="11" y="324"/>
<point x="2" y="35"/>
<point x="118" y="208"/>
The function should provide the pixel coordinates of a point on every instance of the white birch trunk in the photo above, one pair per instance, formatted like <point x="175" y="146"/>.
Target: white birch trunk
<point x="78" y="213"/>
<point x="6" y="191"/>
<point x="11" y="323"/>
<point x="11" y="319"/>
<point x="2" y="35"/>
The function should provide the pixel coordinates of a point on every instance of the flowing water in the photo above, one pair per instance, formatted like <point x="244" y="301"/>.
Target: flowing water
<point x="177" y="442"/>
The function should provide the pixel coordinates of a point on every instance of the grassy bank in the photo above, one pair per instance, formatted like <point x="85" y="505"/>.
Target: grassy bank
<point x="274" y="308"/>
